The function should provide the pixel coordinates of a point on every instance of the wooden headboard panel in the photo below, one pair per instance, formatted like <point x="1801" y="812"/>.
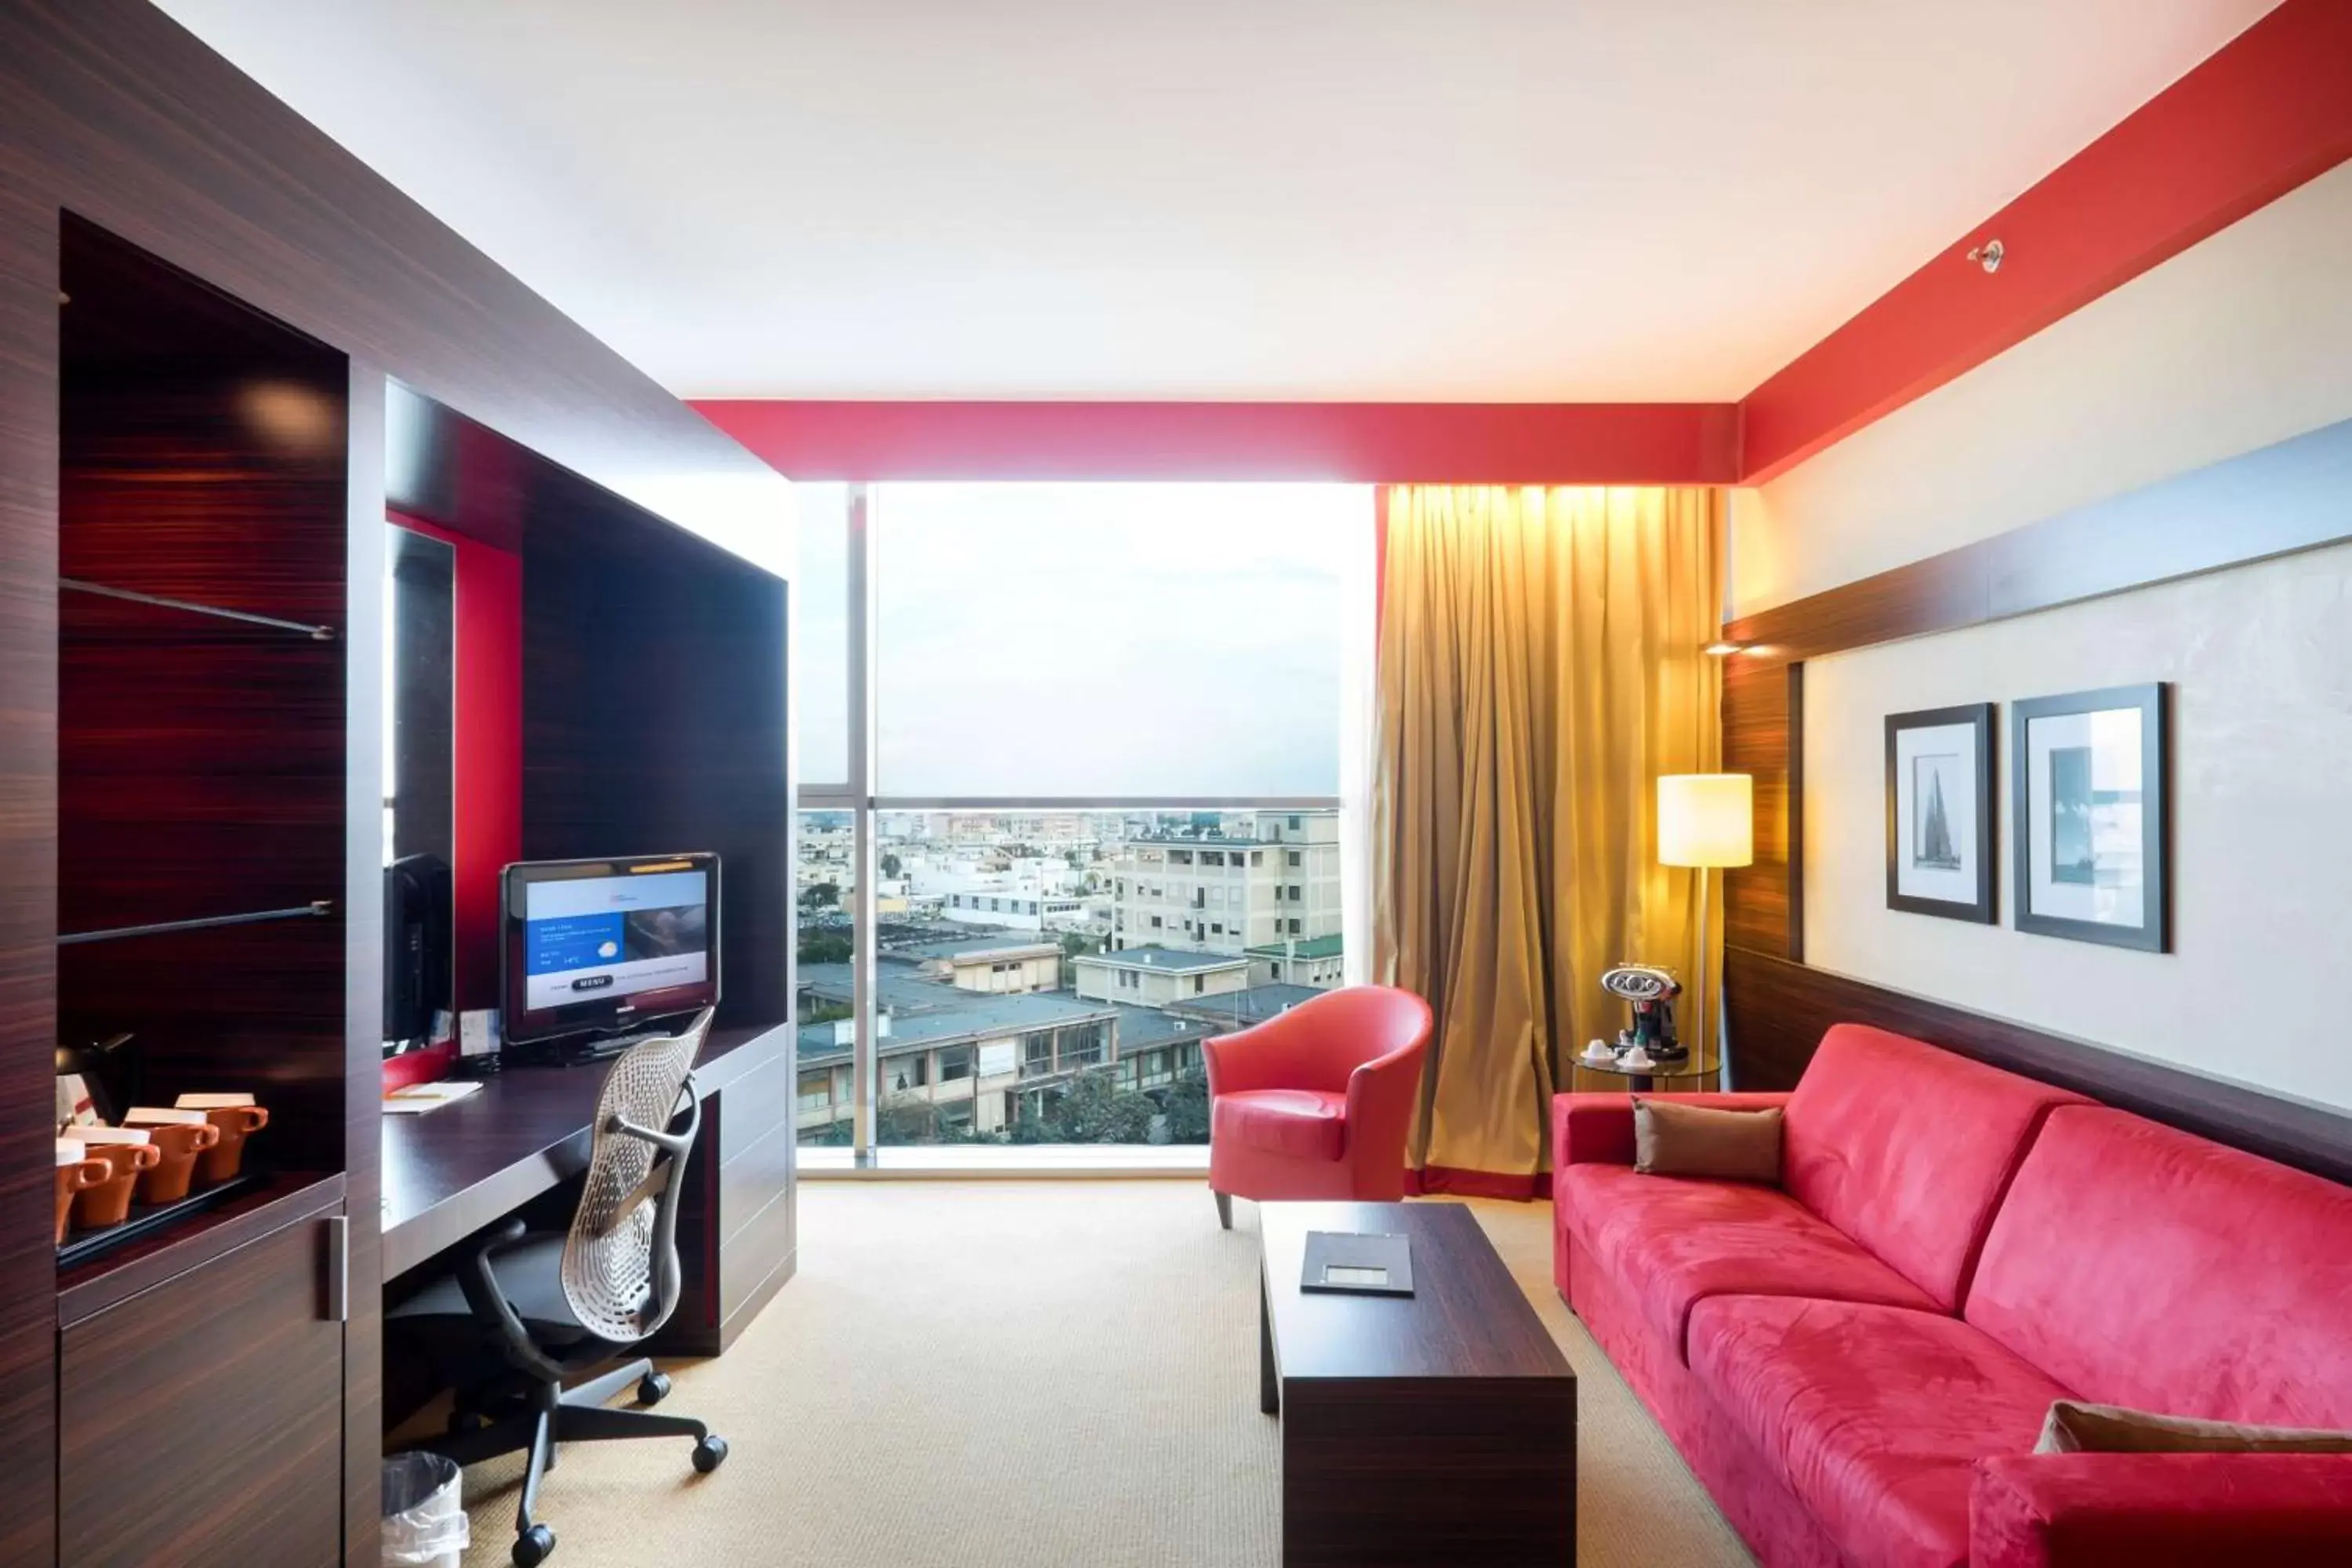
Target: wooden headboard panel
<point x="2297" y="495"/>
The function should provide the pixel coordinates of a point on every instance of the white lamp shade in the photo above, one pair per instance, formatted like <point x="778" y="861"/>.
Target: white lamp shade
<point x="1705" y="819"/>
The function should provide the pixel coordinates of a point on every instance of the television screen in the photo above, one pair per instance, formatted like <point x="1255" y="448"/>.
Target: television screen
<point x="597" y="944"/>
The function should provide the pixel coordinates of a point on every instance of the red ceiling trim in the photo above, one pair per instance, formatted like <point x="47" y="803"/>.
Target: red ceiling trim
<point x="1402" y="443"/>
<point x="2267" y="111"/>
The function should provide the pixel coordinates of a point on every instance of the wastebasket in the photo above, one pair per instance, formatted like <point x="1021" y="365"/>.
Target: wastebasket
<point x="423" y="1513"/>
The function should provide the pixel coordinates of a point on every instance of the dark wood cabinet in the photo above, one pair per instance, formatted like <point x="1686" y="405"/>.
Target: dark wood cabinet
<point x="200" y="1421"/>
<point x="204" y="308"/>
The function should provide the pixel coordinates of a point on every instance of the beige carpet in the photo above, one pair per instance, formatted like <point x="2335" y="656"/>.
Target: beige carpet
<point x="1041" y="1374"/>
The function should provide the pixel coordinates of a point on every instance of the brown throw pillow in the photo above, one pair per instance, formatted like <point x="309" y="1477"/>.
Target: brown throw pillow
<point x="2075" y="1428"/>
<point x="1671" y="1139"/>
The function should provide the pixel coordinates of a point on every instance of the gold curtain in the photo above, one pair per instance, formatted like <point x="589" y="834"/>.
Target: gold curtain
<point x="1541" y="662"/>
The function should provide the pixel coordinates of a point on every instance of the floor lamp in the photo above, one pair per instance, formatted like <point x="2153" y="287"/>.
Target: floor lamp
<point x="1706" y="820"/>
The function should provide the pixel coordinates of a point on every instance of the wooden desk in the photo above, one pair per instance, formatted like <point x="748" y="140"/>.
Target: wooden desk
<point x="449" y="1173"/>
<point x="1418" y="1431"/>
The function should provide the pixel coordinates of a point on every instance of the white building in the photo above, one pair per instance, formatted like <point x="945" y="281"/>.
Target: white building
<point x="1023" y="909"/>
<point x="1156" y="976"/>
<point x="1316" y="960"/>
<point x="1227" y="893"/>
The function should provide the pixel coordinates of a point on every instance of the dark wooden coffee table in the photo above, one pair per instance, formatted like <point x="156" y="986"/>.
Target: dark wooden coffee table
<point x="1436" y="1429"/>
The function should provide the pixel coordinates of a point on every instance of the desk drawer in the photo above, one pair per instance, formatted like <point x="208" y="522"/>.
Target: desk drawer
<point x="757" y="1104"/>
<point x="749" y="1256"/>
<point x="753" y="1179"/>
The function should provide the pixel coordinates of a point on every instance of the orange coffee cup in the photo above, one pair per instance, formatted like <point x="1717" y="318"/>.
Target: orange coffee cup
<point x="236" y="1122"/>
<point x="76" y="1172"/>
<point x="108" y="1201"/>
<point x="180" y="1142"/>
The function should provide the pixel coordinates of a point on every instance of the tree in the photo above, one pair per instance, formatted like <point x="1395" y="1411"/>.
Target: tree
<point x="1185" y="1103"/>
<point x="1094" y="1110"/>
<point x="1075" y="943"/>
<point x="820" y="946"/>
<point x="819" y="896"/>
<point x="891" y="865"/>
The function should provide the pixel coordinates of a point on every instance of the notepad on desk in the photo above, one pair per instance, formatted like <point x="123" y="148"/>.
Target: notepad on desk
<point x="419" y="1098"/>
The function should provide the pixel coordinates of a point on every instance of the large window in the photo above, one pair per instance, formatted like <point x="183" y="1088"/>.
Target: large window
<point x="1085" y="810"/>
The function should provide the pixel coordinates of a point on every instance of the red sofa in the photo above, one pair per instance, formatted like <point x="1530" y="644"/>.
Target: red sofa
<point x="1857" y="1363"/>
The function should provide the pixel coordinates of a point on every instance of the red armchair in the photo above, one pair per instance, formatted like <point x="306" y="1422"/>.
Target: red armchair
<point x="1316" y="1103"/>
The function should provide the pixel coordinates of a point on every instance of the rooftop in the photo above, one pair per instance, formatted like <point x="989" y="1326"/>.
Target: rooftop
<point x="1141" y="1029"/>
<point x="999" y="942"/>
<point x="924" y="1013"/>
<point x="1235" y="1009"/>
<point x="1302" y="947"/>
<point x="1165" y="960"/>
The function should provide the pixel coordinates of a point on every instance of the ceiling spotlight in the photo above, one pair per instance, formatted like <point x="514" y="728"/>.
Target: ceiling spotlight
<point x="1987" y="254"/>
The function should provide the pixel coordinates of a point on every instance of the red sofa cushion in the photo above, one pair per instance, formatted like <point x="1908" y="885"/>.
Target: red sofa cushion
<point x="2161" y="1511"/>
<point x="2142" y="1266"/>
<point x="1907" y="1149"/>
<point x="1669" y="1242"/>
<point x="1303" y="1123"/>
<point x="1873" y="1415"/>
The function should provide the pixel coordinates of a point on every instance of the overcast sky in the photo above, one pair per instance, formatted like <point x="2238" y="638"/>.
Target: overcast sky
<point x="1098" y="640"/>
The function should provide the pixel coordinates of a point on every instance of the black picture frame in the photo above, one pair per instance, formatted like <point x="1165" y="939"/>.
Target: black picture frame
<point x="2152" y="702"/>
<point x="1983" y="908"/>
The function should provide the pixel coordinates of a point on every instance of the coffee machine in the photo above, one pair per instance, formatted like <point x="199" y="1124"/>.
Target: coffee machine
<point x="1651" y="990"/>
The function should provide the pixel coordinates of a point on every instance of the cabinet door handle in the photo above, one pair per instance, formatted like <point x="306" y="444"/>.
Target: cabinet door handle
<point x="339" y="1269"/>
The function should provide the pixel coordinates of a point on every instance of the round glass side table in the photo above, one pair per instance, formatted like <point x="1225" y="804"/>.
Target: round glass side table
<point x="1645" y="1080"/>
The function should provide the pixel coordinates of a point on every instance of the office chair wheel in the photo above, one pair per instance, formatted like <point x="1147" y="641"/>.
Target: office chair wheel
<point x="710" y="1453"/>
<point x="534" y="1546"/>
<point x="653" y="1388"/>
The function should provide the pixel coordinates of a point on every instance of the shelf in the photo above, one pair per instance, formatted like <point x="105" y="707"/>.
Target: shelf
<point x="316" y="910"/>
<point x="141" y="1262"/>
<point x="189" y="606"/>
<point x="148" y="1220"/>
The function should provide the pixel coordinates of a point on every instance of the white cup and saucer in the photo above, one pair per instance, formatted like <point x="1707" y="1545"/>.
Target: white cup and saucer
<point x="1636" y="1060"/>
<point x="1598" y="1054"/>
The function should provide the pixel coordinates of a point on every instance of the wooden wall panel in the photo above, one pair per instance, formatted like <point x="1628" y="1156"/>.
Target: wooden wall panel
<point x="2295" y="495"/>
<point x="28" y="848"/>
<point x="111" y="108"/>
<point x="654" y="718"/>
<point x="1780" y="1010"/>
<point x="1763" y="708"/>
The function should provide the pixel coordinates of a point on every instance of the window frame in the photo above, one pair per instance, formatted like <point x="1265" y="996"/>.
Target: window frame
<point x="855" y="796"/>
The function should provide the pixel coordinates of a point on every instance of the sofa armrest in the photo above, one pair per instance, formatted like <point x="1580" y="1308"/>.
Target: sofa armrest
<point x="2159" y="1510"/>
<point x="1598" y="1128"/>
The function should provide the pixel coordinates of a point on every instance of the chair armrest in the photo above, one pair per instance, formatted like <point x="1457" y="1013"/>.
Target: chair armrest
<point x="1598" y="1128"/>
<point x="1382" y="1094"/>
<point x="2159" y="1510"/>
<point x="487" y="1302"/>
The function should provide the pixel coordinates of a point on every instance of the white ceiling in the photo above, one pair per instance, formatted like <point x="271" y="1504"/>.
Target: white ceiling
<point x="1379" y="199"/>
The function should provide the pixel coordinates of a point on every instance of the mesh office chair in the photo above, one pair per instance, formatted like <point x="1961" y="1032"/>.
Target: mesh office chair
<point x="525" y="1311"/>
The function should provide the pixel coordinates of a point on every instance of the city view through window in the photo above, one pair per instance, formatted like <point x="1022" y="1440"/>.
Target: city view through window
<point x="1048" y="976"/>
<point x="1047" y="953"/>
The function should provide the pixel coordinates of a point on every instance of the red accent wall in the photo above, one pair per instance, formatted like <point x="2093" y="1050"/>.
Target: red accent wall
<point x="487" y="745"/>
<point x="1402" y="443"/>
<point x="2263" y="114"/>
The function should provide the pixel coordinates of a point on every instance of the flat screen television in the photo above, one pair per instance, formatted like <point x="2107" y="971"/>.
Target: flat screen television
<point x="596" y="946"/>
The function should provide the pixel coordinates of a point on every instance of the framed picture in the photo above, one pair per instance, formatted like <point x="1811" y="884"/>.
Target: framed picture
<point x="1940" y="813"/>
<point x="2088" y="799"/>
